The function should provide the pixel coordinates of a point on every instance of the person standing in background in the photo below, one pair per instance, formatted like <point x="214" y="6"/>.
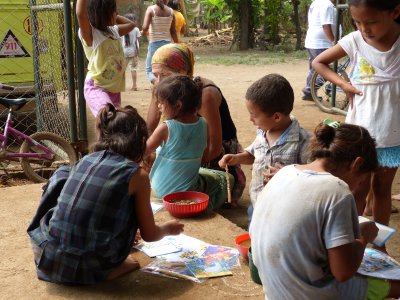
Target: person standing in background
<point x="180" y="21"/>
<point x="130" y="45"/>
<point x="100" y="31"/>
<point x="320" y="35"/>
<point x="159" y="25"/>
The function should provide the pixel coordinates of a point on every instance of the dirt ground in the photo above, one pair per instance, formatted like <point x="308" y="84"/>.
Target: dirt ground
<point x="16" y="266"/>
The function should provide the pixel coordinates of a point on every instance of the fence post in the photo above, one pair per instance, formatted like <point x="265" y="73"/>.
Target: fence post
<point x="80" y="71"/>
<point x="70" y="69"/>
<point x="36" y="66"/>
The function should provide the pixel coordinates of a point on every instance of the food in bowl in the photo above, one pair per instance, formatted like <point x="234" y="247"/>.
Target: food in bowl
<point x="185" y="204"/>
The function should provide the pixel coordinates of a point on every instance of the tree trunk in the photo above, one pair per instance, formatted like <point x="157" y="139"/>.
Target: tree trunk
<point x="244" y="24"/>
<point x="271" y="27"/>
<point x="182" y="4"/>
<point x="296" y="21"/>
<point x="266" y="27"/>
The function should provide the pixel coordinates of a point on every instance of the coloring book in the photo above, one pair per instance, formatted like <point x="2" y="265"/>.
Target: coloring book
<point x="202" y="268"/>
<point x="196" y="260"/>
<point x="164" y="246"/>
<point x="380" y="265"/>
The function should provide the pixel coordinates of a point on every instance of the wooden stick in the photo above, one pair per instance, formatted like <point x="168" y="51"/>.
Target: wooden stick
<point x="228" y="185"/>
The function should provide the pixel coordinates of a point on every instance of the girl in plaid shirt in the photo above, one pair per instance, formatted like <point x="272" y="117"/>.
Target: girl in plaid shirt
<point x="89" y="214"/>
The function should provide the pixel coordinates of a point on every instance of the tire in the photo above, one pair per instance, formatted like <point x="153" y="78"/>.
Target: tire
<point x="321" y="93"/>
<point x="41" y="169"/>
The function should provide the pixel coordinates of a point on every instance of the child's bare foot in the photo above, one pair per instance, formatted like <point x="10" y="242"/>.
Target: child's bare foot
<point x="134" y="89"/>
<point x="129" y="265"/>
<point x="396" y="197"/>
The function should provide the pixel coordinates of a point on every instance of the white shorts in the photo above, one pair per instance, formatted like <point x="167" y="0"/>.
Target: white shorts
<point x="132" y="63"/>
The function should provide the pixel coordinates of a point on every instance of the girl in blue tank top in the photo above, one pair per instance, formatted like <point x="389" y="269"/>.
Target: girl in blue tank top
<point x="180" y="141"/>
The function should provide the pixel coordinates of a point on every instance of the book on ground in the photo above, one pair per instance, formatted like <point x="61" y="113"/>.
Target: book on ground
<point x="380" y="265"/>
<point x="164" y="246"/>
<point x="202" y="268"/>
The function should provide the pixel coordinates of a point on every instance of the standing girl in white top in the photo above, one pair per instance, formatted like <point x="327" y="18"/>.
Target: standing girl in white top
<point x="100" y="29"/>
<point x="159" y="25"/>
<point x="130" y="44"/>
<point x="374" y="90"/>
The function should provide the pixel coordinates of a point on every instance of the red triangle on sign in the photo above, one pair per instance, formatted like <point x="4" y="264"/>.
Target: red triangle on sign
<point x="10" y="46"/>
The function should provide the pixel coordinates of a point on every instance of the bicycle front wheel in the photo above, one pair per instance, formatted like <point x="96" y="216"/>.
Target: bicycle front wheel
<point x="41" y="169"/>
<point x="321" y="92"/>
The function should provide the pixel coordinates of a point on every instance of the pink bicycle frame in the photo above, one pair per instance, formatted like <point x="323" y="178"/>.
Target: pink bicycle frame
<point x="8" y="129"/>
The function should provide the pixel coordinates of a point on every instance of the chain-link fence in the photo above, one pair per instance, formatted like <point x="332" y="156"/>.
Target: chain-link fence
<point x="33" y="60"/>
<point x="51" y="83"/>
<point x="346" y="20"/>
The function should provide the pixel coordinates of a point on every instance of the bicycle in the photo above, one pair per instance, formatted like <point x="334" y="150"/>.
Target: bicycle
<point x="40" y="154"/>
<point x="327" y="96"/>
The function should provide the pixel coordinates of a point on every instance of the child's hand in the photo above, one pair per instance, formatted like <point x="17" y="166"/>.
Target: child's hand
<point x="138" y="237"/>
<point x="226" y="160"/>
<point x="271" y="171"/>
<point x="350" y="91"/>
<point x="368" y="231"/>
<point x="173" y="227"/>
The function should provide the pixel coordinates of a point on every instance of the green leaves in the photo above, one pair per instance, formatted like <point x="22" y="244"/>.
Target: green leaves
<point x="216" y="11"/>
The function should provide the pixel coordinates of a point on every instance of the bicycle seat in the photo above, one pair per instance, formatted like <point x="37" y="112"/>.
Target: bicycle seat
<point x="18" y="103"/>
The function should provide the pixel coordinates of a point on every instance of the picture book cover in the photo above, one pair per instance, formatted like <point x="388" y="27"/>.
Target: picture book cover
<point x="201" y="268"/>
<point x="228" y="255"/>
<point x="384" y="233"/>
<point x="380" y="265"/>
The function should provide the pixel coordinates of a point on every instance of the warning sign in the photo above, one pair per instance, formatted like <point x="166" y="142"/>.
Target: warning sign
<point x="28" y="25"/>
<point x="10" y="46"/>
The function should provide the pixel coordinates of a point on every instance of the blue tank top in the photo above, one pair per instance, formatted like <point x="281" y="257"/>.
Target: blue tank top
<point x="178" y="161"/>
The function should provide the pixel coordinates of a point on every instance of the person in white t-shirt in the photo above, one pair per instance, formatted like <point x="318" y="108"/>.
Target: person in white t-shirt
<point x="320" y="35"/>
<point x="306" y="240"/>
<point x="130" y="45"/>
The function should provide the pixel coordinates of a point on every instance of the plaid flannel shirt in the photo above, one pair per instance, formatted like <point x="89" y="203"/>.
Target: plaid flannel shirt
<point x="289" y="148"/>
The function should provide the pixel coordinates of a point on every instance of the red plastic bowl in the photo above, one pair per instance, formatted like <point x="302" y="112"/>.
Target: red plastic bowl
<point x="240" y="241"/>
<point x="185" y="210"/>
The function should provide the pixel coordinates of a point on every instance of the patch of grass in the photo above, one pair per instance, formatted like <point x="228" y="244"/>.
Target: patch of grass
<point x="249" y="57"/>
<point x="221" y="55"/>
